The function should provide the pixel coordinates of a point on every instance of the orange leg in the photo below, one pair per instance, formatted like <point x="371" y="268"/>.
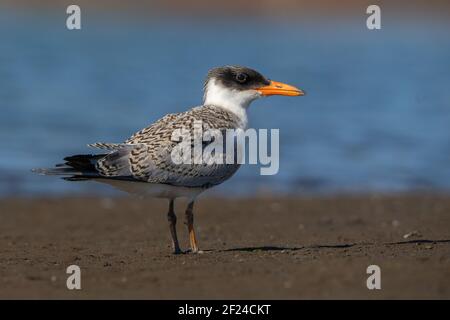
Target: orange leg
<point x="190" y="225"/>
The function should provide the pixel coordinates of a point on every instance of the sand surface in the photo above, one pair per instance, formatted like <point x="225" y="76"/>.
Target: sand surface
<point x="259" y="248"/>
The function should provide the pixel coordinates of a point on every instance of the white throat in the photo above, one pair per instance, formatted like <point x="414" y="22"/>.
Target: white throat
<point x="231" y="99"/>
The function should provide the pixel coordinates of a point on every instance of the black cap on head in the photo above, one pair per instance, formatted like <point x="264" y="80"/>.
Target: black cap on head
<point x="236" y="77"/>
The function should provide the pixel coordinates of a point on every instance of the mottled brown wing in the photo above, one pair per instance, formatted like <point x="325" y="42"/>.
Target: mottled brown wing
<point x="147" y="155"/>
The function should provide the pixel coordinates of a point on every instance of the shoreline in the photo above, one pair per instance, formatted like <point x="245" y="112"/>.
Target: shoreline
<point x="255" y="248"/>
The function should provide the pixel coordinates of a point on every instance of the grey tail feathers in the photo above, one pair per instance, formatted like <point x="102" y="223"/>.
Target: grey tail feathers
<point x="75" y="168"/>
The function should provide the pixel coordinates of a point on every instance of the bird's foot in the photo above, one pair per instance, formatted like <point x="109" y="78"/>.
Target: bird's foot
<point x="177" y="250"/>
<point x="196" y="251"/>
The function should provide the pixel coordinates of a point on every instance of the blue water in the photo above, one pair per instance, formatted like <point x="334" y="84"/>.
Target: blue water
<point x="376" y="116"/>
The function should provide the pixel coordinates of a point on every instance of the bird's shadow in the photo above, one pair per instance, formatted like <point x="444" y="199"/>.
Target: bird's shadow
<point x="328" y="246"/>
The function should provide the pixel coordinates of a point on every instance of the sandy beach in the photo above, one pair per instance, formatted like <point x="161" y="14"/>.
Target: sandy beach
<point x="256" y="248"/>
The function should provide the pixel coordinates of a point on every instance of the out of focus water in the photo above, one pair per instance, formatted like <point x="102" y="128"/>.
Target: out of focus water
<point x="376" y="117"/>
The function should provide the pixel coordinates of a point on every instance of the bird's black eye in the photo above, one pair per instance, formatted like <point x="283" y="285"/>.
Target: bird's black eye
<point x="241" y="77"/>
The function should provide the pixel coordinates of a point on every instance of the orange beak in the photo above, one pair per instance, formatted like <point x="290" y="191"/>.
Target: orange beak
<point x="279" y="88"/>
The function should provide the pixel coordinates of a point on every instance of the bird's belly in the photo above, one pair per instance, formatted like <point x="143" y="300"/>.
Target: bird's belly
<point x="154" y="190"/>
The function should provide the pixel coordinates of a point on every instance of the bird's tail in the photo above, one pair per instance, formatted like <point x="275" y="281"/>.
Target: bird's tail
<point x="75" y="168"/>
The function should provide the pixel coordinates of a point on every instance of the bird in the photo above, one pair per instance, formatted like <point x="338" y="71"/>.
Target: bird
<point x="143" y="163"/>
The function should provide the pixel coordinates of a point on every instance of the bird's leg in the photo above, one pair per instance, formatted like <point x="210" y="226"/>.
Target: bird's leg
<point x="172" y="226"/>
<point x="190" y="225"/>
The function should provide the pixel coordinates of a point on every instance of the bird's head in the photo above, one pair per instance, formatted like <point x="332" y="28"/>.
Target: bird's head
<point x="236" y="87"/>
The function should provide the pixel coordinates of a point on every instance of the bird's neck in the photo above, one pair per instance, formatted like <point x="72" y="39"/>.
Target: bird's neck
<point x="231" y="100"/>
